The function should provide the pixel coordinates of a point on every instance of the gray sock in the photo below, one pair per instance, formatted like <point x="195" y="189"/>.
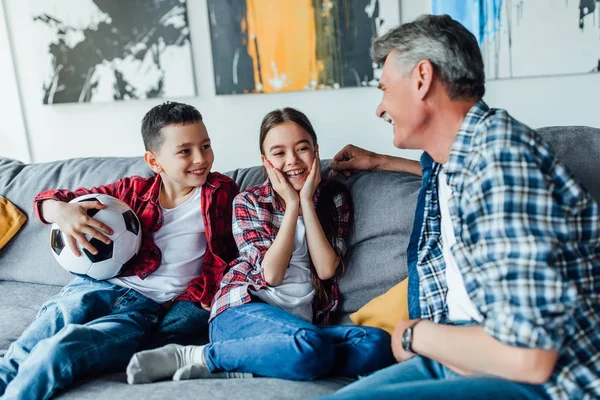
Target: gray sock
<point x="153" y="365"/>
<point x="200" y="371"/>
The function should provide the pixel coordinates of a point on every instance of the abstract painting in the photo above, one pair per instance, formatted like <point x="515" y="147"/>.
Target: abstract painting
<point x="266" y="46"/>
<point x="524" y="38"/>
<point x="105" y="50"/>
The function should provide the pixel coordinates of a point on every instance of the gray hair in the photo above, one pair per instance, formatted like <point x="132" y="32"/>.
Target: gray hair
<point x="448" y="45"/>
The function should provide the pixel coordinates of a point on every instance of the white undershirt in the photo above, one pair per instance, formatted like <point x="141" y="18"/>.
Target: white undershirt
<point x="296" y="293"/>
<point x="182" y="242"/>
<point x="460" y="305"/>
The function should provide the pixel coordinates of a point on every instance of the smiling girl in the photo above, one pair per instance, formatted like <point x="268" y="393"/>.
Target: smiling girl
<point x="271" y="314"/>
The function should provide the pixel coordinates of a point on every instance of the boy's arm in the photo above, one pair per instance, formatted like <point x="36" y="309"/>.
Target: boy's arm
<point x="113" y="189"/>
<point x="51" y="206"/>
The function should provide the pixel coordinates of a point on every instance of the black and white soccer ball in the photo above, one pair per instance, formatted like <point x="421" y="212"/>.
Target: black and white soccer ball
<point x="124" y="246"/>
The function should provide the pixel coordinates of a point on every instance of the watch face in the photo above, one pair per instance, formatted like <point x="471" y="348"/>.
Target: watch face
<point x="407" y="339"/>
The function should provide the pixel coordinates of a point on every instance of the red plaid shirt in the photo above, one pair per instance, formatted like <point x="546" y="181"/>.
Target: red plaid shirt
<point x="258" y="215"/>
<point x="142" y="196"/>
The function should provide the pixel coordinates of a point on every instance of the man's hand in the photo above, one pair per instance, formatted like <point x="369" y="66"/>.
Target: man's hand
<point x="75" y="223"/>
<point x="399" y="353"/>
<point x="352" y="158"/>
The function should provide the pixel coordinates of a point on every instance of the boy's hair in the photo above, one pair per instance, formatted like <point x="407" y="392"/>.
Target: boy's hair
<point x="168" y="113"/>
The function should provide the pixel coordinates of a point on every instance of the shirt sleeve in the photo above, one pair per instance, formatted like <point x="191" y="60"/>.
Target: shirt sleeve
<point x="342" y="217"/>
<point x="252" y="238"/>
<point x="113" y="189"/>
<point x="511" y="223"/>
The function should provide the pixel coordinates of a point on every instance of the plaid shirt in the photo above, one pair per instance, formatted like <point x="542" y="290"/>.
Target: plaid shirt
<point x="258" y="215"/>
<point x="142" y="196"/>
<point x="528" y="247"/>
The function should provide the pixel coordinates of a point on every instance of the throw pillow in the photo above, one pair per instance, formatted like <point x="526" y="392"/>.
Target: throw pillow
<point x="385" y="311"/>
<point x="11" y="220"/>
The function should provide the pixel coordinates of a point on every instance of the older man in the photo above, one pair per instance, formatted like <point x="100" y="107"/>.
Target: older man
<point x="509" y="250"/>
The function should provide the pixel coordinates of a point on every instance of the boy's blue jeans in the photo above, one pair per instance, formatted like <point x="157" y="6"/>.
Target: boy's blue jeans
<point x="423" y="379"/>
<point x="89" y="327"/>
<point x="268" y="341"/>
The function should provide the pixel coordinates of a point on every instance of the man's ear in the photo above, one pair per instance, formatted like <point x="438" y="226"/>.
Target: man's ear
<point x="152" y="162"/>
<point x="424" y="77"/>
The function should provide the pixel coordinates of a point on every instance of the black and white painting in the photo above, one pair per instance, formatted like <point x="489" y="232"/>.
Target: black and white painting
<point x="107" y="50"/>
<point x="523" y="38"/>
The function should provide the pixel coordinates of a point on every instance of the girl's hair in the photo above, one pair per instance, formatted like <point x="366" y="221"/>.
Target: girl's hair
<point x="329" y="189"/>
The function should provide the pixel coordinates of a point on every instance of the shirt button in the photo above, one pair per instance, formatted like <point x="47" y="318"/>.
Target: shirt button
<point x="159" y="221"/>
<point x="144" y="274"/>
<point x="156" y="252"/>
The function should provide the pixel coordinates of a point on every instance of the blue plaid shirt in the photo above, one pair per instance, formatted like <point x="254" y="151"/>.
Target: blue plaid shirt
<point x="528" y="247"/>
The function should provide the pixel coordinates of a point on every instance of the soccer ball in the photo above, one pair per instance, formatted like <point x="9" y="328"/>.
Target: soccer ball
<point x="124" y="246"/>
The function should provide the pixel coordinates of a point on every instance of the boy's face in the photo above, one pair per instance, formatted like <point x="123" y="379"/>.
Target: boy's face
<point x="185" y="157"/>
<point x="290" y="149"/>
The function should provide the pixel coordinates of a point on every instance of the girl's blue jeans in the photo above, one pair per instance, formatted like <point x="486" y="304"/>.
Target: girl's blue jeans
<point x="268" y="341"/>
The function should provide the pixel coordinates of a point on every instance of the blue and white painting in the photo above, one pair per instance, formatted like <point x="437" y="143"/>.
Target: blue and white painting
<point x="523" y="38"/>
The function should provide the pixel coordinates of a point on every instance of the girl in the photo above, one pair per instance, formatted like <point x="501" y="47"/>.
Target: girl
<point x="271" y="314"/>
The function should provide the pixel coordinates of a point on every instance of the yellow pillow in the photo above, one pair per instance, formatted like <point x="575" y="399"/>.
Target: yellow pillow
<point x="11" y="220"/>
<point x="385" y="311"/>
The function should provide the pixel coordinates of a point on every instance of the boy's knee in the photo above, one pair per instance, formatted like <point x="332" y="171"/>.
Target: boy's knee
<point x="315" y="355"/>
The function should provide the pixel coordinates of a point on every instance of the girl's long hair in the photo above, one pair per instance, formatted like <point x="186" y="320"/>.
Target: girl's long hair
<point x="329" y="189"/>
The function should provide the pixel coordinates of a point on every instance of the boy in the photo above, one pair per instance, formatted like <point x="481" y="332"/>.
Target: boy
<point x="94" y="326"/>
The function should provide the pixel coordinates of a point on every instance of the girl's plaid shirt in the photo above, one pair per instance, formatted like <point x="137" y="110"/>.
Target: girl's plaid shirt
<point x="257" y="216"/>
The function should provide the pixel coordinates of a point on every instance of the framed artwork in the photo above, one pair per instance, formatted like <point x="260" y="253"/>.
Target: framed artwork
<point x="102" y="50"/>
<point x="266" y="46"/>
<point x="525" y="38"/>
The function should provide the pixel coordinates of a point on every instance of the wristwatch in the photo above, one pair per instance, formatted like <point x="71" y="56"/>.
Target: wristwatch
<point x="407" y="337"/>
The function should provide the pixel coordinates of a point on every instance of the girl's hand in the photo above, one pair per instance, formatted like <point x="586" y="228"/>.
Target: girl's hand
<point x="312" y="181"/>
<point x="280" y="185"/>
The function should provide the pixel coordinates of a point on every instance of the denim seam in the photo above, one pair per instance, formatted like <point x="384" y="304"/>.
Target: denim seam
<point x="234" y="309"/>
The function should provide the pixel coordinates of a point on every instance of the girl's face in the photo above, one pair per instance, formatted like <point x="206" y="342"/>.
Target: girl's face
<point x="291" y="150"/>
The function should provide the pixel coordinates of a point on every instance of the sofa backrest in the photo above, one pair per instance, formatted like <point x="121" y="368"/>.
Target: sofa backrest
<point x="384" y="205"/>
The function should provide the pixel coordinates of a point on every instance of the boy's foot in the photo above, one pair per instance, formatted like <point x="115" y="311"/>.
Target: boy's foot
<point x="153" y="365"/>
<point x="199" y="371"/>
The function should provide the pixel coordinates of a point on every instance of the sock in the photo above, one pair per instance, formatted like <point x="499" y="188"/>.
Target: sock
<point x="199" y="371"/>
<point x="152" y="365"/>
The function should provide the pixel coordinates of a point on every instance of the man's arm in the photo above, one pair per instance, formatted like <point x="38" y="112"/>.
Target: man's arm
<point x="352" y="158"/>
<point x="469" y="350"/>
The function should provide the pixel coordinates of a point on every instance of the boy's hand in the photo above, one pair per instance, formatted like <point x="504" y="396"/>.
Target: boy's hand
<point x="312" y="181"/>
<point x="281" y="186"/>
<point x="75" y="223"/>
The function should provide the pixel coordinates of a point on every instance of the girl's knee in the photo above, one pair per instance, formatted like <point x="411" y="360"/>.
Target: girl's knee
<point x="315" y="355"/>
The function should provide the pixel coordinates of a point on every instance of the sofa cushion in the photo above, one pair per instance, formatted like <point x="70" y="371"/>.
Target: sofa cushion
<point x="578" y="147"/>
<point x="19" y="304"/>
<point x="115" y="387"/>
<point x="29" y="259"/>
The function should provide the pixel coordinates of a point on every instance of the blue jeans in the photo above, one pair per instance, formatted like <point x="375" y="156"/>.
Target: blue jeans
<point x="89" y="327"/>
<point x="414" y="308"/>
<point x="423" y="379"/>
<point x="185" y="324"/>
<point x="268" y="341"/>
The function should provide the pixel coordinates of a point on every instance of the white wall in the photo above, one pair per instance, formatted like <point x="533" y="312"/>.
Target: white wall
<point x="340" y="117"/>
<point x="13" y="138"/>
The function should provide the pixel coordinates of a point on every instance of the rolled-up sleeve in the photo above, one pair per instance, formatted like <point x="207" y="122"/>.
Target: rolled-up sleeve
<point x="514" y="227"/>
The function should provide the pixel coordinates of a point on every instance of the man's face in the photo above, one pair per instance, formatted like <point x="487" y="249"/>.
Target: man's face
<point x="400" y="104"/>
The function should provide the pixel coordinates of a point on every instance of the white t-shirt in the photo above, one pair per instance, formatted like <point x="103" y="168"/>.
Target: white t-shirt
<point x="182" y="242"/>
<point x="296" y="293"/>
<point x="460" y="305"/>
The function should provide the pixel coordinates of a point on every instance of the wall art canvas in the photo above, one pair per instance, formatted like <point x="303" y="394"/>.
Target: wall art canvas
<point x="266" y="46"/>
<point x="524" y="38"/>
<point x="105" y="50"/>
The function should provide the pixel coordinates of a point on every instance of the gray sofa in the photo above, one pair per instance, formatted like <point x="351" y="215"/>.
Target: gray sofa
<point x="384" y="208"/>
